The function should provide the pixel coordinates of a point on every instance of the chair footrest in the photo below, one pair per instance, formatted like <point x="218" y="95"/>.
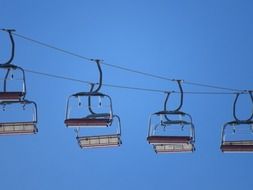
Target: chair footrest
<point x="99" y="141"/>
<point x="173" y="147"/>
<point x="18" y="128"/>
<point x="237" y="146"/>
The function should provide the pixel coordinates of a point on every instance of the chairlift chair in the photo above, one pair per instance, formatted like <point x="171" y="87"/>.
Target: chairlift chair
<point x="165" y="142"/>
<point x="16" y="96"/>
<point x="243" y="142"/>
<point x="19" y="127"/>
<point x="94" y="118"/>
<point x="7" y="94"/>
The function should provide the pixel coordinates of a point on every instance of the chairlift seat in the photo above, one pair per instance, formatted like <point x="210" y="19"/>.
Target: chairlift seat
<point x="99" y="141"/>
<point x="101" y="119"/>
<point x="88" y="122"/>
<point x="237" y="146"/>
<point x="169" y="139"/>
<point x="171" y="143"/>
<point x="11" y="96"/>
<point x="12" y="128"/>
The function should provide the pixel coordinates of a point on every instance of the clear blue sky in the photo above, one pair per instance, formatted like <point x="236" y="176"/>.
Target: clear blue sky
<point x="201" y="41"/>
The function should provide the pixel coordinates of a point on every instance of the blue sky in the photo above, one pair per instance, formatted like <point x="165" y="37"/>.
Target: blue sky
<point x="201" y="41"/>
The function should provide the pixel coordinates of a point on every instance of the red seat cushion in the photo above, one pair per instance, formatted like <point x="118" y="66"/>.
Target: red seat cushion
<point x="169" y="139"/>
<point x="87" y="122"/>
<point x="11" y="95"/>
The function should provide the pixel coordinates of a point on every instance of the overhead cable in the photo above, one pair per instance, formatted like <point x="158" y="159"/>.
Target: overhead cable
<point x="122" y="86"/>
<point x="123" y="68"/>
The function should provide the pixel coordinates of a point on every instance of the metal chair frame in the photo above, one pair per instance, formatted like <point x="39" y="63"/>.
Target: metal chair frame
<point x="20" y="127"/>
<point x="239" y="145"/>
<point x="169" y="143"/>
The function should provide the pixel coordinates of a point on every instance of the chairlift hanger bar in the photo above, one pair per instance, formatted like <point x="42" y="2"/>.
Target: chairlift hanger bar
<point x="120" y="67"/>
<point x="181" y="92"/>
<point x="250" y="93"/>
<point x="10" y="32"/>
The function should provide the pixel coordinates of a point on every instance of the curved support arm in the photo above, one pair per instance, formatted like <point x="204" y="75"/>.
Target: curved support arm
<point x="98" y="87"/>
<point x="234" y="107"/>
<point x="9" y="31"/>
<point x="166" y="101"/>
<point x="165" y="105"/>
<point x="100" y="75"/>
<point x="181" y="98"/>
<point x="89" y="100"/>
<point x="104" y="95"/>
<point x="181" y="95"/>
